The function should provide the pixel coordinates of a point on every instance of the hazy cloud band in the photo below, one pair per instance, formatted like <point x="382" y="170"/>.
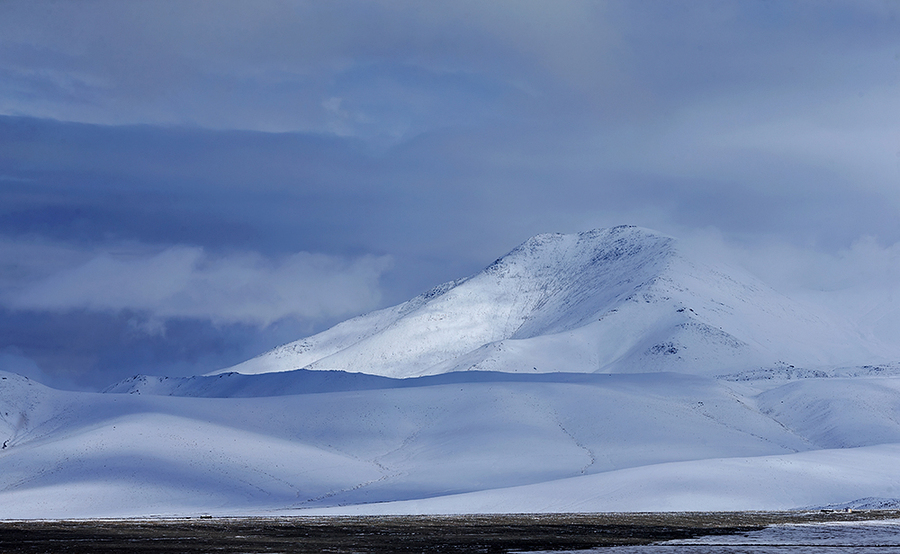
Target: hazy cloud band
<point x="187" y="282"/>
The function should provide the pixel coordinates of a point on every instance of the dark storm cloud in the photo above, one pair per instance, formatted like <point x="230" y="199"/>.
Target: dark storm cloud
<point x="273" y="66"/>
<point x="237" y="142"/>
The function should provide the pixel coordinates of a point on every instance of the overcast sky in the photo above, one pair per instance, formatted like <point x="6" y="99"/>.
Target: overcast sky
<point x="186" y="184"/>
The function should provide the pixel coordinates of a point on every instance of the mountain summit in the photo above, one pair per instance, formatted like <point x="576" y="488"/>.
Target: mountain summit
<point x="618" y="300"/>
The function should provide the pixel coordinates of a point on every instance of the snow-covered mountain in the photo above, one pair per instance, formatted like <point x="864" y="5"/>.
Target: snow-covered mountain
<point x="615" y="300"/>
<point x="604" y="371"/>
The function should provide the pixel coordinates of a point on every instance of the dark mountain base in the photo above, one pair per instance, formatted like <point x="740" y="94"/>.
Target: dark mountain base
<point x="376" y="535"/>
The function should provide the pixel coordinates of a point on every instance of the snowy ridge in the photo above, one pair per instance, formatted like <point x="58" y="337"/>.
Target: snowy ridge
<point x="302" y="381"/>
<point x="864" y="504"/>
<point x="236" y="385"/>
<point x="615" y="300"/>
<point x="788" y="372"/>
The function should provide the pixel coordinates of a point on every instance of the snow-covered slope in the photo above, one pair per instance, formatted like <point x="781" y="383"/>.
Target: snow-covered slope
<point x="728" y="484"/>
<point x="624" y="299"/>
<point x="463" y="442"/>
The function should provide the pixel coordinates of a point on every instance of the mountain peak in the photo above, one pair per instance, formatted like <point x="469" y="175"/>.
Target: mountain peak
<point x="600" y="244"/>
<point x="588" y="259"/>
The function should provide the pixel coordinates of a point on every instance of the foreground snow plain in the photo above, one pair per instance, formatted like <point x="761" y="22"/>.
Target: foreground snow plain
<point x="596" y="372"/>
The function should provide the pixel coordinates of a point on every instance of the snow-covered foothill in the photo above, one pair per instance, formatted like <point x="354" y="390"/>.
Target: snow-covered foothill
<point x="485" y="436"/>
<point x="730" y="484"/>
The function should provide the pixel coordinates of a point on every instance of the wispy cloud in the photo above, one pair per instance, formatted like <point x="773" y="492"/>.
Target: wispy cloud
<point x="858" y="283"/>
<point x="187" y="282"/>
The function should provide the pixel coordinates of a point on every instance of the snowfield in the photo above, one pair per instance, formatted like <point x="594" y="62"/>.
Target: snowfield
<point x="605" y="371"/>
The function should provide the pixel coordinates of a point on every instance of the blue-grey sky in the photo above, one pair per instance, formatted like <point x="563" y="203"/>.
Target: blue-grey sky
<point x="186" y="184"/>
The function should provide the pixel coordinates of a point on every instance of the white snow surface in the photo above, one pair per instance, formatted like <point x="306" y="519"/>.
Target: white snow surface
<point x="472" y="442"/>
<point x="604" y="371"/>
<point x="616" y="300"/>
<point x="729" y="484"/>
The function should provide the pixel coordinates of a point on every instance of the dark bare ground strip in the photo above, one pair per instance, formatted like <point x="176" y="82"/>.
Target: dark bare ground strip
<point x="401" y="534"/>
